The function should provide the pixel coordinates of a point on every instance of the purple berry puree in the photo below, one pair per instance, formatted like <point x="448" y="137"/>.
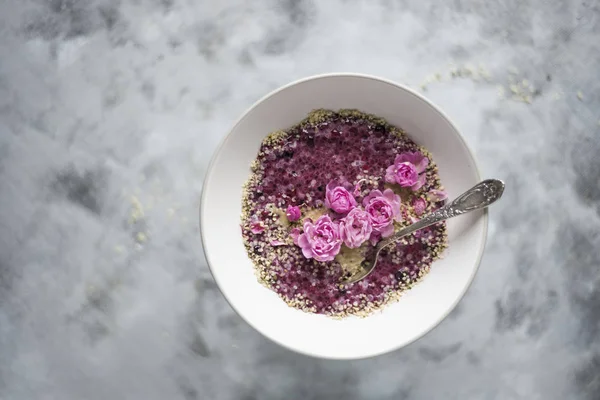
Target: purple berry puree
<point x="293" y="167"/>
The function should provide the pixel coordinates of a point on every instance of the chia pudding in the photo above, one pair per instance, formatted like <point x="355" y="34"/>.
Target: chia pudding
<point x="322" y="194"/>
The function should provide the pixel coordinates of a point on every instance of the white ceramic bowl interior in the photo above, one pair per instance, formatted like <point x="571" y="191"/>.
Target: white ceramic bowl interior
<point x="421" y="308"/>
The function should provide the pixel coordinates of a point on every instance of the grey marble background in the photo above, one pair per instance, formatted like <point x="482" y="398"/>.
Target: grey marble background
<point x="110" y="111"/>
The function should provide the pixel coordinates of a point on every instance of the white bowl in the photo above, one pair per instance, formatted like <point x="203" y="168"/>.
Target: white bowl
<point x="422" y="307"/>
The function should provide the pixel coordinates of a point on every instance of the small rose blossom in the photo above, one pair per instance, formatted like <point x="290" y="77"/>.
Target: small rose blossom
<point x="338" y="198"/>
<point x="293" y="213"/>
<point x="437" y="195"/>
<point x="320" y="240"/>
<point x="408" y="170"/>
<point x="355" y="228"/>
<point x="277" y="242"/>
<point x="404" y="174"/>
<point x="419" y="205"/>
<point x="383" y="209"/>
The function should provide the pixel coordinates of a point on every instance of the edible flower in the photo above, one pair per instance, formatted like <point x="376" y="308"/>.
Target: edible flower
<point x="355" y="228"/>
<point x="383" y="209"/>
<point x="408" y="170"/>
<point x="320" y="240"/>
<point x="293" y="213"/>
<point x="338" y="198"/>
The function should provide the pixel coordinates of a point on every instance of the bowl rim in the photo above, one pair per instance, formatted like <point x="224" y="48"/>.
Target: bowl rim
<point x="227" y="137"/>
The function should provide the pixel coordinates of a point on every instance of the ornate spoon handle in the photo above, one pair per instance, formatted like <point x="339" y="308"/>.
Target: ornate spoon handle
<point x="480" y="196"/>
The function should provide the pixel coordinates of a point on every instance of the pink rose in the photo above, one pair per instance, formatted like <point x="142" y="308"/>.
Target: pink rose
<point x="405" y="174"/>
<point x="419" y="205"/>
<point x="408" y="170"/>
<point x="383" y="209"/>
<point x="338" y="198"/>
<point x="293" y="213"/>
<point x="320" y="240"/>
<point x="355" y="228"/>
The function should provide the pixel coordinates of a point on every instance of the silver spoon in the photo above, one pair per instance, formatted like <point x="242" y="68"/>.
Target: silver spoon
<point x="480" y="196"/>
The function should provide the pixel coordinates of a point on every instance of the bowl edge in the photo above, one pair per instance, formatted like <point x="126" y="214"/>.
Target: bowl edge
<point x="324" y="76"/>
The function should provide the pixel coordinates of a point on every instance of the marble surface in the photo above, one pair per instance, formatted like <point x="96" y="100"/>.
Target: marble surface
<point x="110" y="111"/>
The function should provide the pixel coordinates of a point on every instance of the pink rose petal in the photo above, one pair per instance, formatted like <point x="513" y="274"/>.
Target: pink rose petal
<point x="257" y="227"/>
<point x="437" y="195"/>
<point x="295" y="234"/>
<point x="420" y="182"/>
<point x="375" y="237"/>
<point x="387" y="231"/>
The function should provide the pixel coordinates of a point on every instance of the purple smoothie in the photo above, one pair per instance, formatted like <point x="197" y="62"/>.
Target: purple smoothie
<point x="293" y="167"/>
